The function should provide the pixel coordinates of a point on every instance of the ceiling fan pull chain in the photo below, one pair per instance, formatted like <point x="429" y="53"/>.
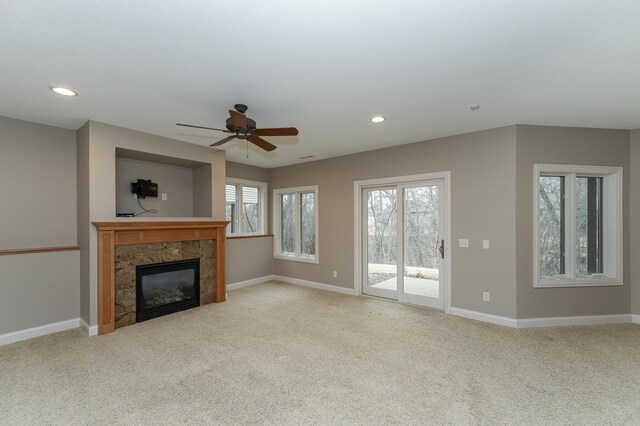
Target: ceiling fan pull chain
<point x="247" y="149"/>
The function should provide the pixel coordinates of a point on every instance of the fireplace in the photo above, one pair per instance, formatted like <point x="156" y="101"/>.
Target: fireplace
<point x="167" y="287"/>
<point x="123" y="245"/>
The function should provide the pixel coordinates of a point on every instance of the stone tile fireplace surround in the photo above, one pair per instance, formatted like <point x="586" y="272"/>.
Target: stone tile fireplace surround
<point x="124" y="245"/>
<point x="127" y="257"/>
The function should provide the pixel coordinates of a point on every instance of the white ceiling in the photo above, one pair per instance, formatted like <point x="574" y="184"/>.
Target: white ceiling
<point x="325" y="67"/>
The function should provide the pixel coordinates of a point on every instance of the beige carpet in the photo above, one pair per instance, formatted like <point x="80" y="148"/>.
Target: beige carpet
<point x="280" y="354"/>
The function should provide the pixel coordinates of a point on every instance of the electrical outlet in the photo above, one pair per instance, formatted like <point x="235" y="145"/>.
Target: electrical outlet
<point x="335" y="274"/>
<point x="485" y="244"/>
<point x="164" y="196"/>
<point x="486" y="296"/>
<point x="135" y="196"/>
<point x="463" y="242"/>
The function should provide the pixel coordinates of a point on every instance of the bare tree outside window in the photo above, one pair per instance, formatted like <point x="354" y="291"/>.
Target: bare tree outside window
<point x="307" y="223"/>
<point x="231" y="202"/>
<point x="288" y="223"/>
<point x="421" y="229"/>
<point x="251" y="209"/>
<point x="589" y="225"/>
<point x="230" y="213"/>
<point x="244" y="207"/>
<point x="578" y="211"/>
<point x="297" y="217"/>
<point x="550" y="227"/>
<point x="382" y="235"/>
<point x="421" y="233"/>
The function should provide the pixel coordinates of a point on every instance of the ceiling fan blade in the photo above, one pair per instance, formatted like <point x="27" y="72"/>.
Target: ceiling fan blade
<point x="258" y="141"/>
<point x="222" y="141"/>
<point x="201" y="127"/>
<point x="278" y="131"/>
<point x="238" y="119"/>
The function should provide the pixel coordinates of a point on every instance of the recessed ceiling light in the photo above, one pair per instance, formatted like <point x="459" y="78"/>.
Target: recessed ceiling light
<point x="63" y="91"/>
<point x="378" y="119"/>
<point x="474" y="107"/>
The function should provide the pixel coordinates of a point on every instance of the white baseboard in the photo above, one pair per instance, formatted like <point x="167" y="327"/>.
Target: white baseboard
<point x="546" y="321"/>
<point x="289" y="280"/>
<point x="42" y="330"/>
<point x="313" y="284"/>
<point x="577" y="320"/>
<point x="90" y="330"/>
<point x="247" y="283"/>
<point x="480" y="316"/>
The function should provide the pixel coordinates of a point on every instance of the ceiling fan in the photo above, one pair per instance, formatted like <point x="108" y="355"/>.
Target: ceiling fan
<point x="244" y="127"/>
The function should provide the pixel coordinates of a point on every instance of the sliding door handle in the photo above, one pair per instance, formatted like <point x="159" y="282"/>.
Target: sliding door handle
<point x="442" y="248"/>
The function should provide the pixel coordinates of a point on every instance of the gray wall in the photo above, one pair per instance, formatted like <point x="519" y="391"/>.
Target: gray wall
<point x="38" y="187"/>
<point x="202" y="195"/>
<point x="243" y="171"/>
<point x="175" y="181"/>
<point x="482" y="166"/>
<point x="249" y="258"/>
<point x="565" y="145"/>
<point x="634" y="219"/>
<point x="84" y="235"/>
<point x="38" y="289"/>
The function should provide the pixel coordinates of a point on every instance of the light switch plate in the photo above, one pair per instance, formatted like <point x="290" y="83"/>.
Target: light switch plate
<point x="485" y="244"/>
<point x="164" y="196"/>
<point x="463" y="242"/>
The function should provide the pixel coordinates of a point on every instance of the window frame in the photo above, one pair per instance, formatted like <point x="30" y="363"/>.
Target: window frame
<point x="277" y="222"/>
<point x="612" y="213"/>
<point x="262" y="187"/>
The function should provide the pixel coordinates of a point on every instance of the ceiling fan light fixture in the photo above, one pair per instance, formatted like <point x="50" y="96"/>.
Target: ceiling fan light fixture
<point x="63" y="91"/>
<point x="377" y="119"/>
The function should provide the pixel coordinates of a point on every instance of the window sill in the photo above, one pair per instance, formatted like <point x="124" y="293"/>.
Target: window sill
<point x="237" y="237"/>
<point x="304" y="259"/>
<point x="577" y="282"/>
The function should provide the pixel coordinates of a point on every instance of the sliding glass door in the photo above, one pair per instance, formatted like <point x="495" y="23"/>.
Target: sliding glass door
<point x="403" y="244"/>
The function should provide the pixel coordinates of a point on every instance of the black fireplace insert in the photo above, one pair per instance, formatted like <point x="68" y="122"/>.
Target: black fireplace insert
<point x="164" y="288"/>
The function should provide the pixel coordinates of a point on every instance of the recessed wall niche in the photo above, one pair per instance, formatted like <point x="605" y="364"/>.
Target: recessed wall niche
<point x="186" y="183"/>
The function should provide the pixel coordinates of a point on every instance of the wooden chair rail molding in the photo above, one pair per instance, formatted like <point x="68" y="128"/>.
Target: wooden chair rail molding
<point x="111" y="234"/>
<point x="6" y="252"/>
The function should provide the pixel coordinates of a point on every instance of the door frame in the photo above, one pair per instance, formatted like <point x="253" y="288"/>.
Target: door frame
<point x="359" y="185"/>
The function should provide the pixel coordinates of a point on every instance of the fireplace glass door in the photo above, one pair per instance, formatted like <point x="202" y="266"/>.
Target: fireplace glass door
<point x="164" y="288"/>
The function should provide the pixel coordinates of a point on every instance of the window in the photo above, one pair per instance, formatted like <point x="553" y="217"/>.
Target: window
<point x="295" y="213"/>
<point x="577" y="225"/>
<point x="246" y="207"/>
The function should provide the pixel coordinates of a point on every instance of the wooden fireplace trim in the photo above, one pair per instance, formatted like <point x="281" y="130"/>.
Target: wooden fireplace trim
<point x="111" y="234"/>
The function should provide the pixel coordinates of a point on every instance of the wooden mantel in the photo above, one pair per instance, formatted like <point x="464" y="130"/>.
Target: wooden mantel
<point x="111" y="234"/>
